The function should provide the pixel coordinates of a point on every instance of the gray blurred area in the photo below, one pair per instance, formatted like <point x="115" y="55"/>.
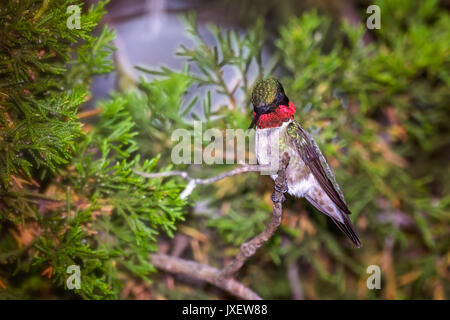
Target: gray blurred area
<point x="148" y="32"/>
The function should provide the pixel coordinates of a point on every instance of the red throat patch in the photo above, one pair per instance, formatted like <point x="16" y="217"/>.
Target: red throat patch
<point x="276" y="119"/>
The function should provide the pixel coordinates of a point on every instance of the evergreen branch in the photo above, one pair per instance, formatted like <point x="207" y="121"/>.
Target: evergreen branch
<point x="41" y="10"/>
<point x="202" y="272"/>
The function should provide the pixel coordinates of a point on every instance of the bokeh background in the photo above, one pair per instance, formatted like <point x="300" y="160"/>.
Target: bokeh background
<point x="376" y="102"/>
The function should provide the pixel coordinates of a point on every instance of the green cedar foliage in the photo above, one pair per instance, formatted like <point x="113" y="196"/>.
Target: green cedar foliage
<point x="378" y="111"/>
<point x="69" y="194"/>
<point x="41" y="86"/>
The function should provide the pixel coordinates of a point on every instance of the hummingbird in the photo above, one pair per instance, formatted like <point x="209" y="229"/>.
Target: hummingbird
<point x="308" y="174"/>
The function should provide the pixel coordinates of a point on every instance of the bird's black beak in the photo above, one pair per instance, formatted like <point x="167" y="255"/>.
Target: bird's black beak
<point x="254" y="122"/>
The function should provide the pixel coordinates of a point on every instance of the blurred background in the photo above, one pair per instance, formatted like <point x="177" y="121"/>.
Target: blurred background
<point x="376" y="102"/>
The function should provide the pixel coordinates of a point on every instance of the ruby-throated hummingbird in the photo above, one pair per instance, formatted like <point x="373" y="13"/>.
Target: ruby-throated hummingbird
<point x="307" y="174"/>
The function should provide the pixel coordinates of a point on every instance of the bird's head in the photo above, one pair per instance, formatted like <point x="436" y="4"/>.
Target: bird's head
<point x="271" y="106"/>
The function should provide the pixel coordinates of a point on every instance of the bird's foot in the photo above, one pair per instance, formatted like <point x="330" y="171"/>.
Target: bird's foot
<point x="281" y="187"/>
<point x="277" y="197"/>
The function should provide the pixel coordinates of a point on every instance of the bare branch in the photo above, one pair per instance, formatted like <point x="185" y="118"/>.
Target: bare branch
<point x="202" y="272"/>
<point x="194" y="182"/>
<point x="224" y="278"/>
<point x="250" y="247"/>
<point x="182" y="174"/>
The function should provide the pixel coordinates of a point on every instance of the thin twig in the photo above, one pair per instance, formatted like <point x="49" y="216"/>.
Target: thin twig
<point x="194" y="182"/>
<point x="90" y="113"/>
<point x="202" y="272"/>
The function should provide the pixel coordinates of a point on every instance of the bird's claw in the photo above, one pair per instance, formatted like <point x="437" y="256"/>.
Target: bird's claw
<point x="281" y="188"/>
<point x="277" y="197"/>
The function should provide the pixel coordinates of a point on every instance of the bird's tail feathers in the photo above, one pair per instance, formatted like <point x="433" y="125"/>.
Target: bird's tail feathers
<point x="347" y="228"/>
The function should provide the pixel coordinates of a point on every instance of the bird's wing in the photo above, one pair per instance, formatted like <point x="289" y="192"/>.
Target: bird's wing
<point x="313" y="158"/>
<point x="345" y="225"/>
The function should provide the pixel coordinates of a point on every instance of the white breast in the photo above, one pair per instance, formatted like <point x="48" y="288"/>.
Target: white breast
<point x="267" y="144"/>
<point x="267" y="147"/>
